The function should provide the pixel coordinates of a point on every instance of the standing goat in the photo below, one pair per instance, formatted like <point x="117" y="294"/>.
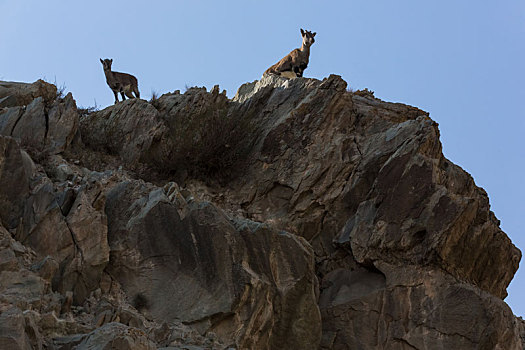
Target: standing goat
<point x="294" y="64"/>
<point x="120" y="82"/>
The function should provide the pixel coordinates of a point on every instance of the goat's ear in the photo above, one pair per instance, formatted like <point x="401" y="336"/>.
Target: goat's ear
<point x="111" y="60"/>
<point x="313" y="34"/>
<point x="302" y="32"/>
<point x="101" y="60"/>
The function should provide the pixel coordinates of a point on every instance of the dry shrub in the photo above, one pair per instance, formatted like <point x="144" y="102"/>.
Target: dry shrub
<point x="365" y="93"/>
<point x="212" y="144"/>
<point x="154" y="101"/>
<point x="85" y="111"/>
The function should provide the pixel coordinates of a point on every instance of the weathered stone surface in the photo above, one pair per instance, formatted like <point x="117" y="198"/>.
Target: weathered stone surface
<point x="31" y="128"/>
<point x="14" y="182"/>
<point x="74" y="235"/>
<point x="8" y="119"/>
<point x="249" y="284"/>
<point x="12" y="331"/>
<point x="19" y="287"/>
<point x="417" y="308"/>
<point x="43" y="227"/>
<point x="334" y="162"/>
<point x="117" y="336"/>
<point x="30" y="312"/>
<point x="356" y="174"/>
<point x="63" y="121"/>
<point x="21" y="94"/>
<point x="43" y="124"/>
<point x="88" y="226"/>
<point x="127" y="129"/>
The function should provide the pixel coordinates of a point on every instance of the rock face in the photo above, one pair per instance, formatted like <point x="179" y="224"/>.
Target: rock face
<point x="394" y="225"/>
<point x="303" y="216"/>
<point x="248" y="283"/>
<point x="14" y="94"/>
<point x="34" y="114"/>
<point x="128" y="129"/>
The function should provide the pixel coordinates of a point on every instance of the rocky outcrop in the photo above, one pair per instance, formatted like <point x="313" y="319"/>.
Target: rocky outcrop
<point x="371" y="176"/>
<point x="35" y="115"/>
<point x="304" y="216"/>
<point x="127" y="130"/>
<point x="385" y="213"/>
<point x="14" y="94"/>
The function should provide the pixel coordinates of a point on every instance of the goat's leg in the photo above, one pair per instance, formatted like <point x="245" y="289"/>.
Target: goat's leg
<point x="116" y="96"/>
<point x="128" y="93"/>
<point x="123" y="96"/>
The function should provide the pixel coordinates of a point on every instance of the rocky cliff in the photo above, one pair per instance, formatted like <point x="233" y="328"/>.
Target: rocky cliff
<point x="297" y="215"/>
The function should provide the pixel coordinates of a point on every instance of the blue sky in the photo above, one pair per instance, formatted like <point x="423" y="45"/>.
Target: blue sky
<point x="463" y="61"/>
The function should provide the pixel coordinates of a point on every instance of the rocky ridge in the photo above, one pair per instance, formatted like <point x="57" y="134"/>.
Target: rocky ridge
<point x="297" y="215"/>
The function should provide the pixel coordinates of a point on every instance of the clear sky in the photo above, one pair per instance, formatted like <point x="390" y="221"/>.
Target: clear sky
<point x="462" y="61"/>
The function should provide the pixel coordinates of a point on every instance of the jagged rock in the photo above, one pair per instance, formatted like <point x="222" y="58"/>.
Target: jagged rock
<point x="46" y="268"/>
<point x="54" y="327"/>
<point x="9" y="117"/>
<point x="181" y="134"/>
<point x="418" y="308"/>
<point x="373" y="171"/>
<point x="21" y="94"/>
<point x="521" y="326"/>
<point x="63" y="121"/>
<point x="88" y="226"/>
<point x="365" y="182"/>
<point x="74" y="234"/>
<point x="117" y="336"/>
<point x="8" y="260"/>
<point x="44" y="125"/>
<point x="14" y="182"/>
<point x="357" y="174"/>
<point x="249" y="284"/>
<point x="407" y="251"/>
<point x="22" y="288"/>
<point x="128" y="129"/>
<point x="13" y="331"/>
<point x="31" y="127"/>
<point x="43" y="227"/>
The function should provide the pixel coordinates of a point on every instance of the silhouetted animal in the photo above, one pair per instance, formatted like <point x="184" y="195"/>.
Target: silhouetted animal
<point x="124" y="83"/>
<point x="294" y="64"/>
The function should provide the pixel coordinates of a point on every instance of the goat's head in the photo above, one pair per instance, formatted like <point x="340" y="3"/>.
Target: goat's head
<point x="106" y="63"/>
<point x="308" y="37"/>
